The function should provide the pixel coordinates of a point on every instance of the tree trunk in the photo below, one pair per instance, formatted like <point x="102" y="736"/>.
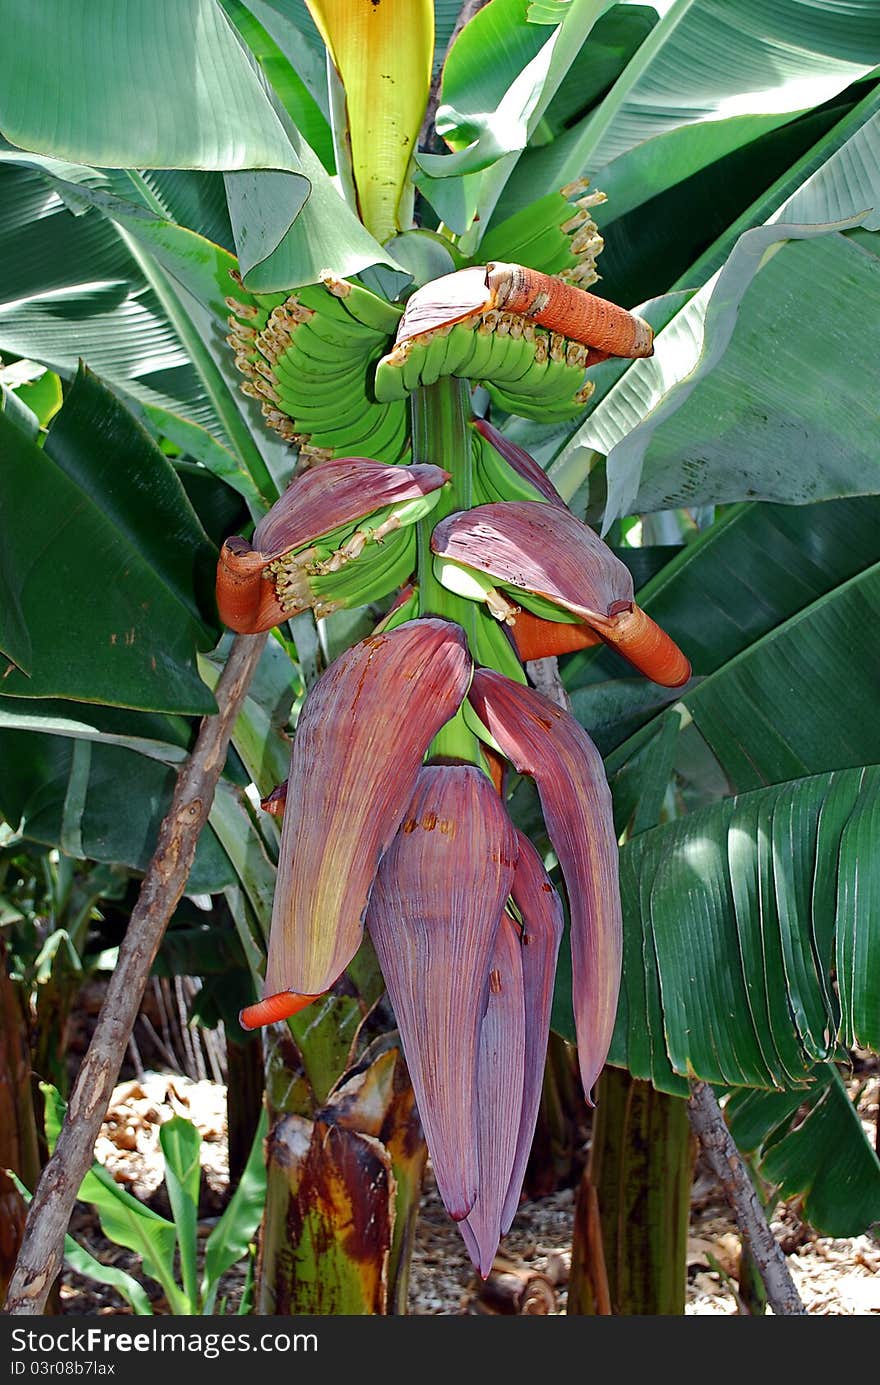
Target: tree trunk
<point x="341" y="1200"/>
<point x="633" y="1204"/>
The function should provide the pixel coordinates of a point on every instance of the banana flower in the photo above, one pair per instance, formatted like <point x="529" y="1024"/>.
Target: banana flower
<point x="545" y="742"/>
<point x="353" y="770"/>
<point x="465" y="922"/>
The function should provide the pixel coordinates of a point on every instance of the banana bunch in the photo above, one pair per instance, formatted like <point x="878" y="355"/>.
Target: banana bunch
<point x="355" y="564"/>
<point x="342" y="534"/>
<point x="556" y="234"/>
<point x="308" y="358"/>
<point x="528" y="371"/>
<point x="494" y="478"/>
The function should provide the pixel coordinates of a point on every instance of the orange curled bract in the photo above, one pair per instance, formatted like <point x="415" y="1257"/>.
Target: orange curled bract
<point x="536" y="638"/>
<point x="540" y="298"/>
<point x="280" y="1006"/>
<point x="246" y="600"/>
<point x="562" y="307"/>
<point x="633" y="633"/>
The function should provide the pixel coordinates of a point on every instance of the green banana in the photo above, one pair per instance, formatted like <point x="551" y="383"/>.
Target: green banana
<point x="247" y="313"/>
<point x="493" y="648"/>
<point x="388" y="383"/>
<point x="511" y="360"/>
<point x="526" y="231"/>
<point x="324" y="418"/>
<point x="474" y="367"/>
<point x="459" y="347"/>
<point x="315" y="379"/>
<point x="535" y="383"/>
<point x="540" y="606"/>
<point x="318" y="299"/>
<point x="435" y="359"/>
<point x="380" y="569"/>
<point x="377" y="427"/>
<point x="415" y="360"/>
<point x="407" y="610"/>
<point x="364" y="306"/>
<point x="306" y="341"/>
<point x="498" y="479"/>
<point x="542" y="411"/>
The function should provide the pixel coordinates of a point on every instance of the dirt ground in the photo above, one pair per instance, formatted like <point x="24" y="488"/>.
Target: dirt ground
<point x="834" y="1277"/>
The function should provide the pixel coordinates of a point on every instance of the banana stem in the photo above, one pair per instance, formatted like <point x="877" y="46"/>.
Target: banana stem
<point x="440" y="414"/>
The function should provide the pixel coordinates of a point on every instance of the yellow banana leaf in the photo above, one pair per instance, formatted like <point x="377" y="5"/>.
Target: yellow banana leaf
<point x="382" y="50"/>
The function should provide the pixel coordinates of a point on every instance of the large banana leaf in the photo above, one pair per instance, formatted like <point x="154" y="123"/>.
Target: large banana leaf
<point x="112" y="568"/>
<point x="718" y="345"/>
<point x="767" y="419"/>
<point x="812" y="1146"/>
<point x="737" y="727"/>
<point x="753" y="569"/>
<point x="711" y="76"/>
<point x="70" y="291"/>
<point x="801" y="699"/>
<point x="98" y="801"/>
<point x="163" y="738"/>
<point x="81" y="287"/>
<point x="209" y="108"/>
<point x="293" y="68"/>
<point x="662" y="243"/>
<point x="735" y="918"/>
<point x="493" y="106"/>
<point x="147" y="84"/>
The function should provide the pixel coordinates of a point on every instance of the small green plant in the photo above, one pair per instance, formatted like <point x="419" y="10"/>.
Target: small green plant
<point x="168" y="1249"/>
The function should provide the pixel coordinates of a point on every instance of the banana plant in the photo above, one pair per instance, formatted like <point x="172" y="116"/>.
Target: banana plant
<point x="465" y="351"/>
<point x="165" y="1247"/>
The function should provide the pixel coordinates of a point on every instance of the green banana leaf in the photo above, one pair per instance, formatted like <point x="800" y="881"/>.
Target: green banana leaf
<point x="95" y="287"/>
<point x="210" y="109"/>
<point x="530" y="60"/>
<point x="71" y="291"/>
<point x="812" y="1146"/>
<point x="802" y="698"/>
<point x="738" y="68"/>
<point x="785" y="425"/>
<point x="260" y="731"/>
<point x="162" y="738"/>
<point x="181" y="1143"/>
<point x="149" y="84"/>
<point x="97" y="802"/>
<point x="613" y="42"/>
<point x="82" y="521"/>
<point x="717" y="345"/>
<point x="800" y="176"/>
<point x="750" y="571"/>
<point x="294" y="70"/>
<point x="735" y="727"/>
<point x="734" y="918"/>
<point x="659" y="243"/>
<point x="237" y="1226"/>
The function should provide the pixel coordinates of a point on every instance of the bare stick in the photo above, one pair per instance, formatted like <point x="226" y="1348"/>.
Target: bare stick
<point x="709" y="1125"/>
<point x="40" y="1256"/>
<point x="428" y="139"/>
